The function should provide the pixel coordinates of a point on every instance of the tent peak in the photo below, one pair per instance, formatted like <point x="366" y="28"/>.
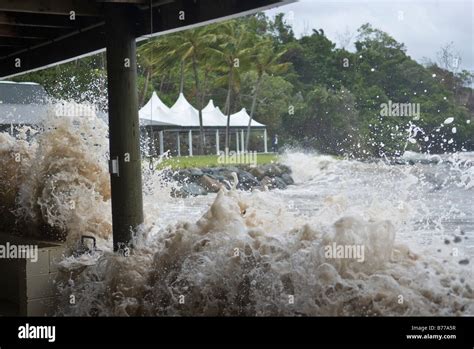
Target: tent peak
<point x="182" y="103"/>
<point x="209" y="107"/>
<point x="156" y="102"/>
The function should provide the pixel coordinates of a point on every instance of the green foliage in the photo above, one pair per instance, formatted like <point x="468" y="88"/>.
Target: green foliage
<point x="203" y="161"/>
<point x="273" y="100"/>
<point x="329" y="121"/>
<point x="305" y="89"/>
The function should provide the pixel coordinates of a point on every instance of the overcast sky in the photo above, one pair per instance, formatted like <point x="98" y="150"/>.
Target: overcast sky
<point x="422" y="25"/>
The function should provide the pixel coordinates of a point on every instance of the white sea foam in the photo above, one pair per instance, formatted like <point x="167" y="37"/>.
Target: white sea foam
<point x="239" y="253"/>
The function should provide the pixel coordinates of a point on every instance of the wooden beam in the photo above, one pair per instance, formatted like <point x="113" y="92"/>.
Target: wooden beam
<point x="20" y="42"/>
<point x="54" y="7"/>
<point x="7" y="31"/>
<point x="167" y="16"/>
<point x="126" y="1"/>
<point x="85" y="41"/>
<point x="10" y="31"/>
<point x="6" y="50"/>
<point x="43" y="20"/>
<point x="155" y="3"/>
<point x="62" y="50"/>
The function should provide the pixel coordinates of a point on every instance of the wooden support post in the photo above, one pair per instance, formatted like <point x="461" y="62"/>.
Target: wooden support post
<point x="178" y="141"/>
<point x="190" y="140"/>
<point x="162" y="142"/>
<point x="237" y="147"/>
<point x="265" y="141"/>
<point x="124" y="129"/>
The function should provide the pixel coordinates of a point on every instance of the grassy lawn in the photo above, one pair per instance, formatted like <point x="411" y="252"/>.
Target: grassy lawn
<point x="202" y="161"/>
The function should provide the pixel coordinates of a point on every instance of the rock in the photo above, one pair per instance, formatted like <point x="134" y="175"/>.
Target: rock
<point x="217" y="170"/>
<point x="176" y="193"/>
<point x="210" y="184"/>
<point x="246" y="180"/>
<point x="287" y="179"/>
<point x="189" y="189"/>
<point x="211" y="175"/>
<point x="198" y="181"/>
<point x="168" y="175"/>
<point x="181" y="176"/>
<point x="196" y="172"/>
<point x="257" y="172"/>
<point x="228" y="175"/>
<point x="272" y="170"/>
<point x="284" y="168"/>
<point x="220" y="178"/>
<point x="266" y="182"/>
<point x="457" y="239"/>
<point x="279" y="183"/>
<point x="275" y="182"/>
<point x="232" y="169"/>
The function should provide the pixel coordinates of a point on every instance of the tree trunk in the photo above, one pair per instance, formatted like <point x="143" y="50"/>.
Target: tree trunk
<point x="252" y="110"/>
<point x="181" y="85"/>
<point x="227" y="103"/>
<point x="162" y="83"/>
<point x="204" y="87"/>
<point x="198" y="94"/>
<point x="145" y="88"/>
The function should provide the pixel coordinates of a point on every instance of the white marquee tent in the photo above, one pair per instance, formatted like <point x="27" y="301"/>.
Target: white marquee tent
<point x="182" y="116"/>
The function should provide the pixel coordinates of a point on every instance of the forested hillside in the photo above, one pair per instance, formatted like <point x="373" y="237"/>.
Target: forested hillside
<point x="309" y="91"/>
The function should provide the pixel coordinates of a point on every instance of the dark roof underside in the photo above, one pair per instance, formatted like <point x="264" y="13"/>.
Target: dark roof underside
<point x="39" y="33"/>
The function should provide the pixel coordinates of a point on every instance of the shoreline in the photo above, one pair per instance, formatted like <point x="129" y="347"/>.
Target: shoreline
<point x="202" y="181"/>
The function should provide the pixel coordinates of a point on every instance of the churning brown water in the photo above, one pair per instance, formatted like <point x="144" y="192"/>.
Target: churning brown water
<point x="259" y="253"/>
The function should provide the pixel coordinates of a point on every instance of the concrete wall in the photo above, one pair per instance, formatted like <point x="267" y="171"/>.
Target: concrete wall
<point x="27" y="288"/>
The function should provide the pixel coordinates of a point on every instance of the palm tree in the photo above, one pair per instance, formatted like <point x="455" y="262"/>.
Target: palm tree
<point x="233" y="52"/>
<point x="186" y="46"/>
<point x="265" y="61"/>
<point x="193" y="45"/>
<point x="145" y="59"/>
<point x="153" y="61"/>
